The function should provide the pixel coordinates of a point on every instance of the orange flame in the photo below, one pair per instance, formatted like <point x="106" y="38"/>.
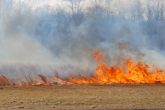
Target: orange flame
<point x="127" y="72"/>
<point x="54" y="81"/>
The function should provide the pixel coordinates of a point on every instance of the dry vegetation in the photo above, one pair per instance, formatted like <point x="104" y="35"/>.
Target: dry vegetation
<point x="84" y="97"/>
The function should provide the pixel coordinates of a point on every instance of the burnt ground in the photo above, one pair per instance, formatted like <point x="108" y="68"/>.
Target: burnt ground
<point x="116" y="96"/>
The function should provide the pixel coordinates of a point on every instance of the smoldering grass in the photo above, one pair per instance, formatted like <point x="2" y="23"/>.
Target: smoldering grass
<point x="3" y="80"/>
<point x="44" y="79"/>
<point x="56" y="74"/>
<point x="34" y="79"/>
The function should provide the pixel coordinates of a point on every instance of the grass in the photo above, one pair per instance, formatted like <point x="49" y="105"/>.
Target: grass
<point x="115" y="96"/>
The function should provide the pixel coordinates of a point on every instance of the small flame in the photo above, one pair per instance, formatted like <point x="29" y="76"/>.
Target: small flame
<point x="54" y="81"/>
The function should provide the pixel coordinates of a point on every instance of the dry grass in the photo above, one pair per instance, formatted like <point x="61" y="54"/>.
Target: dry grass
<point x="84" y="97"/>
<point x="3" y="80"/>
<point x="42" y="77"/>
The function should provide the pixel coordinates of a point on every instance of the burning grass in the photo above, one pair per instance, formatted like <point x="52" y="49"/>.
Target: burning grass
<point x="3" y="81"/>
<point x="31" y="81"/>
<point x="128" y="86"/>
<point x="126" y="72"/>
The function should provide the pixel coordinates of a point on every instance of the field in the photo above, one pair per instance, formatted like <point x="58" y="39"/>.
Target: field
<point x="116" y="96"/>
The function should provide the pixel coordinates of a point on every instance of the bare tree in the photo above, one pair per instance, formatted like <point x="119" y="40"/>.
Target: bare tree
<point x="138" y="10"/>
<point x="96" y="6"/>
<point x="101" y="8"/>
<point x="75" y="7"/>
<point x="120" y="8"/>
<point x="159" y="9"/>
<point x="149" y="12"/>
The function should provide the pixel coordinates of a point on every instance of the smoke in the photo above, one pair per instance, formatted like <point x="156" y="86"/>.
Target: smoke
<point x="16" y="42"/>
<point x="68" y="31"/>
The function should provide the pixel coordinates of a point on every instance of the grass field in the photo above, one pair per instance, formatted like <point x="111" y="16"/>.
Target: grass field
<point x="117" y="96"/>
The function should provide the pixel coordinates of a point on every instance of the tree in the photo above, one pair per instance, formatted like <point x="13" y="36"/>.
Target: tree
<point x="159" y="9"/>
<point x="138" y="10"/>
<point x="75" y="7"/>
<point x="120" y="8"/>
<point x="149" y="12"/>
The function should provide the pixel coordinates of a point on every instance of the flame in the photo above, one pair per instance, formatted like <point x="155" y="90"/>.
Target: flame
<point x="127" y="72"/>
<point x="39" y="84"/>
<point x="54" y="81"/>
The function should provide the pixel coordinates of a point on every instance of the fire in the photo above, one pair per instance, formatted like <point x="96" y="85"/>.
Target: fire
<point x="54" y="81"/>
<point x="127" y="72"/>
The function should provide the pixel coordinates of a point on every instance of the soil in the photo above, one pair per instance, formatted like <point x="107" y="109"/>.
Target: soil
<point x="79" y="97"/>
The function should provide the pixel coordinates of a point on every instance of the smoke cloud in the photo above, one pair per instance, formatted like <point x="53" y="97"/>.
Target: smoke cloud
<point x="68" y="31"/>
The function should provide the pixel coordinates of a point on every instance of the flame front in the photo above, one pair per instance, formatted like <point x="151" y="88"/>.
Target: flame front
<point x="127" y="72"/>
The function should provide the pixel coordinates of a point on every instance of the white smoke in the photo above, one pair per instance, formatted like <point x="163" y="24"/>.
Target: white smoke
<point x="68" y="31"/>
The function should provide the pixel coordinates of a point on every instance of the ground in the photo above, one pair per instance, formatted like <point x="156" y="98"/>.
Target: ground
<point x="116" y="96"/>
